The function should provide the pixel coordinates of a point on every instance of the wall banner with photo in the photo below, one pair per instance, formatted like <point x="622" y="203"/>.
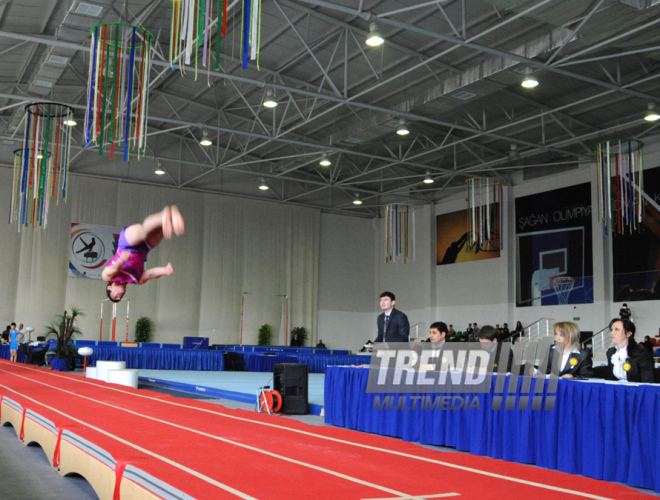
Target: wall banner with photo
<point x="636" y="255"/>
<point x="554" y="247"/>
<point x="92" y="247"/>
<point x="452" y="240"/>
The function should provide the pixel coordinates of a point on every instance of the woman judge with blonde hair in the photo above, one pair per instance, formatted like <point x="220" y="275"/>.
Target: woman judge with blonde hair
<point x="575" y="362"/>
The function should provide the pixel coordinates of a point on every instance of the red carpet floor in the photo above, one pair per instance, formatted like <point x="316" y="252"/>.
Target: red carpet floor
<point x="209" y="452"/>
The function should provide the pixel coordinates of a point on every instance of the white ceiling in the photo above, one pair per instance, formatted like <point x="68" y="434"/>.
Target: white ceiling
<point x="598" y="63"/>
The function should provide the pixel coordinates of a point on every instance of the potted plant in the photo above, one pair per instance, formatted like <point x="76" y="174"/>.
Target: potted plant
<point x="143" y="329"/>
<point x="264" y="334"/>
<point x="64" y="328"/>
<point x="301" y="331"/>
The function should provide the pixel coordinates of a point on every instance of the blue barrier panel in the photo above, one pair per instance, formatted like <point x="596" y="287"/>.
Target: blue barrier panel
<point x="149" y="345"/>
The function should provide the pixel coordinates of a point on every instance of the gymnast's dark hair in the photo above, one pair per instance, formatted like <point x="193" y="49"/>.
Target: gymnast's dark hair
<point x="107" y="291"/>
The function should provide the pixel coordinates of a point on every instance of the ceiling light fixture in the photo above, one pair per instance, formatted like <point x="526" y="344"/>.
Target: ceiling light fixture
<point x="402" y="129"/>
<point x="70" y="122"/>
<point x="652" y="115"/>
<point x="325" y="162"/>
<point x="514" y="154"/>
<point x="205" y="139"/>
<point x="270" y="101"/>
<point x="263" y="186"/>
<point x="428" y="179"/>
<point x="159" y="170"/>
<point x="374" y="39"/>
<point x="529" y="82"/>
<point x="357" y="200"/>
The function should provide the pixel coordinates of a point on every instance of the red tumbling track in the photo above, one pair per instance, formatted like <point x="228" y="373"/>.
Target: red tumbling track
<point x="211" y="452"/>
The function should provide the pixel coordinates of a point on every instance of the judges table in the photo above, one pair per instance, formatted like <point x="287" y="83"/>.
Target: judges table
<point x="604" y="430"/>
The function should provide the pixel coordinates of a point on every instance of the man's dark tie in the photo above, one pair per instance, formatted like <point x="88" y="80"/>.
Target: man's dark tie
<point x="387" y="323"/>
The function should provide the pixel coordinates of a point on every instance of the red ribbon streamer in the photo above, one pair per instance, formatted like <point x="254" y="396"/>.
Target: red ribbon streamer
<point x="56" y="453"/>
<point x="119" y="474"/>
<point x="224" y="19"/>
<point x="22" y="433"/>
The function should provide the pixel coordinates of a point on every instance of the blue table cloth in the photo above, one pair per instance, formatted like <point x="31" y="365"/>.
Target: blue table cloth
<point x="598" y="429"/>
<point x="160" y="359"/>
<point x="258" y="362"/>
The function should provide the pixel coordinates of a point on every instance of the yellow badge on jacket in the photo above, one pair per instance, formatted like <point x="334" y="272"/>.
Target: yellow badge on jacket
<point x="572" y="362"/>
<point x="626" y="366"/>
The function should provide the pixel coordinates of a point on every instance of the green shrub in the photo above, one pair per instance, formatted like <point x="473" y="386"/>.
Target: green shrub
<point x="264" y="334"/>
<point x="143" y="329"/>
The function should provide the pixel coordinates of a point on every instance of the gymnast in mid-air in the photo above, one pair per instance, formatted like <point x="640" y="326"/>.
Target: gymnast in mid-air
<point x="135" y="242"/>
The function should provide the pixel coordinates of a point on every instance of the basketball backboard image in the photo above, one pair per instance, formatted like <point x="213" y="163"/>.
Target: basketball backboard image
<point x="545" y="257"/>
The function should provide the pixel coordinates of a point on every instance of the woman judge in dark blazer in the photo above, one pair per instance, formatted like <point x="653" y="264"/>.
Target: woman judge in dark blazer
<point x="575" y="362"/>
<point x="627" y="360"/>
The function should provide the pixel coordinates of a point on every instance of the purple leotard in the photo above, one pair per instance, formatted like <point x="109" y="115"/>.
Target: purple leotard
<point x="131" y="271"/>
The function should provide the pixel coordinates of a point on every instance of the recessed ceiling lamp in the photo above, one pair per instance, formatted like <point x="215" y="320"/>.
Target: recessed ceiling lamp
<point x="529" y="82"/>
<point x="270" y="101"/>
<point x="402" y="129"/>
<point x="514" y="154"/>
<point x="374" y="39"/>
<point x="263" y="185"/>
<point x="652" y="115"/>
<point x="357" y="200"/>
<point x="428" y="179"/>
<point x="205" y="139"/>
<point x="159" y="170"/>
<point x="325" y="162"/>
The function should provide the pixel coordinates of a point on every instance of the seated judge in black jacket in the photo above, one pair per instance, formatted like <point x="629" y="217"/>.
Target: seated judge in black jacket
<point x="627" y="360"/>
<point x="575" y="362"/>
<point x="491" y="342"/>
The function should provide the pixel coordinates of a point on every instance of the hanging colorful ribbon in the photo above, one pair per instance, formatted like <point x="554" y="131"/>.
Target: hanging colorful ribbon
<point x="118" y="88"/>
<point x="399" y="233"/>
<point x="251" y="32"/>
<point x="620" y="178"/>
<point x="190" y="30"/>
<point x="485" y="214"/>
<point x="41" y="166"/>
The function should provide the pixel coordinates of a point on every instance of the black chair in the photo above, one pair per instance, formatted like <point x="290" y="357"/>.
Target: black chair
<point x="234" y="362"/>
<point x="25" y="350"/>
<point x="37" y="357"/>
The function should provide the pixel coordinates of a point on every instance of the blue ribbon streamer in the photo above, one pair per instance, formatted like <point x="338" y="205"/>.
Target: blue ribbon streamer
<point x="246" y="33"/>
<point x="130" y="97"/>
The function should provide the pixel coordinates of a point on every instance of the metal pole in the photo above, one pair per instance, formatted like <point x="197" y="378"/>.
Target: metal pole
<point x="240" y="342"/>
<point x="101" y="322"/>
<point x="114" y="319"/>
<point x="286" y="338"/>
<point x="128" y="304"/>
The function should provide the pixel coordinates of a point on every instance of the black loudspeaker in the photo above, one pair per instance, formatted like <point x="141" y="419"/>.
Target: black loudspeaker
<point x="290" y="380"/>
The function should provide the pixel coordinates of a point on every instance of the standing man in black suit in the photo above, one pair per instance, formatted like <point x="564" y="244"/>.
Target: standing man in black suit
<point x="393" y="325"/>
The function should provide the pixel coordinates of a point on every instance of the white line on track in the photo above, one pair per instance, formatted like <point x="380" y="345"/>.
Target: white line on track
<point x="337" y="440"/>
<point x="195" y="431"/>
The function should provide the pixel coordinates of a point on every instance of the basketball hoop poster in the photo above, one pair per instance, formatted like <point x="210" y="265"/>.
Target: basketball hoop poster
<point x="92" y="247"/>
<point x="452" y="240"/>
<point x="554" y="247"/>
